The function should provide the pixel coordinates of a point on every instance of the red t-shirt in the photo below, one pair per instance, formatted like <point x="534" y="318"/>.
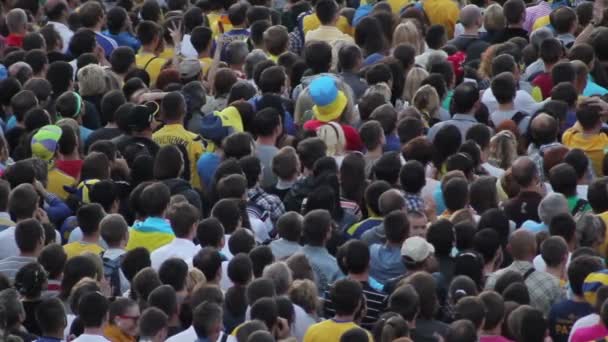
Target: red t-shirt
<point x="353" y="140"/>
<point x="544" y="81"/>
<point x="14" y="40"/>
<point x="70" y="167"/>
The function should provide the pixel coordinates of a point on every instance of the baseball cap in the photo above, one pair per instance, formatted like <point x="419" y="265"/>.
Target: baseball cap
<point x="417" y="249"/>
<point x="141" y="116"/>
<point x="189" y="68"/>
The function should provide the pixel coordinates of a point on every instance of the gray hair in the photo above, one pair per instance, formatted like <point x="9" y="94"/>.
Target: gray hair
<point x="470" y="15"/>
<point x="9" y="300"/>
<point x="552" y="205"/>
<point x="16" y="19"/>
<point x="236" y="52"/>
<point x="590" y="230"/>
<point x="252" y="59"/>
<point x="540" y="35"/>
<point x="280" y="274"/>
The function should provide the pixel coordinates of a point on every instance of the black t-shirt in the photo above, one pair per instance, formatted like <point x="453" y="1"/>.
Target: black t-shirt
<point x="125" y="143"/>
<point x="30" y="322"/>
<point x="508" y="33"/>
<point x="13" y="138"/>
<point x="102" y="134"/>
<point x="523" y="207"/>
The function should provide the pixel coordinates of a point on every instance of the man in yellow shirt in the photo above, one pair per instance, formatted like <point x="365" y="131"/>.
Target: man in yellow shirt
<point x="174" y="133"/>
<point x="347" y="298"/>
<point x="328" y="14"/>
<point x="89" y="216"/>
<point x="201" y="39"/>
<point x="587" y="134"/>
<point x="150" y="34"/>
<point x="44" y="145"/>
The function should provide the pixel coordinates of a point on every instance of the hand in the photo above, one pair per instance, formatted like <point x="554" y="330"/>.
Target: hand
<point x="39" y="188"/>
<point x="176" y="32"/>
<point x="106" y="288"/>
<point x="41" y="216"/>
<point x="282" y="329"/>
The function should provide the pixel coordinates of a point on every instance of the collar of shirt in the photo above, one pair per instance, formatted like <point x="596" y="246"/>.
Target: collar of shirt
<point x="48" y="339"/>
<point x="283" y="184"/>
<point x="113" y="253"/>
<point x="521" y="265"/>
<point x="183" y="243"/>
<point x="5" y="215"/>
<point x="464" y="117"/>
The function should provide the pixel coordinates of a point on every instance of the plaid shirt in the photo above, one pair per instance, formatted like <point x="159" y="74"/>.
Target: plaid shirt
<point x="268" y="202"/>
<point x="414" y="202"/>
<point x="544" y="289"/>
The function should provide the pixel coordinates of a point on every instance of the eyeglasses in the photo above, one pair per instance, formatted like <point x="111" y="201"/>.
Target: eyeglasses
<point x="135" y="318"/>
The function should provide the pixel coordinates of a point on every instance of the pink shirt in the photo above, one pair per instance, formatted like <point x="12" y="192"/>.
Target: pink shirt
<point x="589" y="333"/>
<point x="493" y="338"/>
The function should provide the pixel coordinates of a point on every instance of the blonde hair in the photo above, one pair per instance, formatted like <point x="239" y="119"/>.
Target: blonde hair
<point x="303" y="292"/>
<point x="194" y="278"/>
<point x="412" y="82"/>
<point x="485" y="64"/>
<point x="503" y="149"/>
<point x="407" y="32"/>
<point x="380" y="88"/>
<point x="92" y="80"/>
<point x="493" y="18"/>
<point x="332" y="135"/>
<point x="426" y="100"/>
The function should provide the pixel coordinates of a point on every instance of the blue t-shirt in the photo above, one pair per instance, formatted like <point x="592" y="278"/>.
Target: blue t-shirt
<point x="124" y="39"/>
<point x="563" y="315"/>
<point x="392" y="143"/>
<point x="206" y="166"/>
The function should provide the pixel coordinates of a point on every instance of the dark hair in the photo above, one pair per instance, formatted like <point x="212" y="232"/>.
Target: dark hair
<point x="155" y="198"/>
<point x="134" y="261"/>
<point x="164" y="297"/>
<point x="201" y="37"/>
<point x="92" y="309"/>
<point x="28" y="235"/>
<point x="53" y="259"/>
<point x="412" y="177"/>
<point x="317" y="55"/>
<point x="50" y="316"/>
<point x="562" y="19"/>
<point x="387" y="168"/>
<point x="551" y="50"/>
<point x="588" y="116"/>
<point x="563" y="179"/>
<point x="317" y="224"/>
<point x="209" y="261"/>
<point x="504" y="87"/>
<point x="266" y="121"/>
<point x="435" y="36"/>
<point x="472" y="309"/>
<point x="345" y="295"/>
<point x="261" y="256"/>
<point x="465" y="97"/>
<point x="210" y="232"/>
<point x="36" y="59"/>
<point x="227" y="211"/>
<point x="514" y="11"/>
<point x="396" y="226"/>
<point x="495" y="309"/>
<point x="563" y="72"/>
<point x="240" y="269"/>
<point x="348" y="56"/>
<point x="441" y="235"/>
<point x="30" y="280"/>
<point x="89" y="216"/>
<point x="463" y="330"/>
<point x="455" y="193"/>
<point x="326" y="11"/>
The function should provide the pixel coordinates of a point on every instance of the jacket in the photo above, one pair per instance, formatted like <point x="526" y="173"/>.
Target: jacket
<point x="178" y="186"/>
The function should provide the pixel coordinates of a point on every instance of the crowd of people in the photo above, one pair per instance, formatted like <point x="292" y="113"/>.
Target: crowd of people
<point x="303" y="170"/>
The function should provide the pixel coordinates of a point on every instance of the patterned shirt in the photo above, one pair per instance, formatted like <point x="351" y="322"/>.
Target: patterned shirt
<point x="542" y="9"/>
<point x="271" y="203"/>
<point x="414" y="202"/>
<point x="544" y="289"/>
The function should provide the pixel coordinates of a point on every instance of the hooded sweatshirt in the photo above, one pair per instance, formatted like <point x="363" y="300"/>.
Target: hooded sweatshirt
<point x="594" y="146"/>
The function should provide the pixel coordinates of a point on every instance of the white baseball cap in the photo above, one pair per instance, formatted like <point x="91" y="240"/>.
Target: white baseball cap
<point x="417" y="249"/>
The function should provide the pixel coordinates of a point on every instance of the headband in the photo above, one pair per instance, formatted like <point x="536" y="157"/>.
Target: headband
<point x="78" y="103"/>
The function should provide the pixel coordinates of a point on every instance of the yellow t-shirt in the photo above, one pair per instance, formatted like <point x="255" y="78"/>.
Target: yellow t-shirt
<point x="57" y="180"/>
<point x="442" y="12"/>
<point x="328" y="331"/>
<point x="77" y="248"/>
<point x="176" y="134"/>
<point x="152" y="64"/>
<point x="205" y="64"/>
<point x="397" y="5"/>
<point x="594" y="146"/>
<point x="311" y="22"/>
<point x="167" y="53"/>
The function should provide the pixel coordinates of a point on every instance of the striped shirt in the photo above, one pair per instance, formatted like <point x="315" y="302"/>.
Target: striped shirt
<point x="376" y="304"/>
<point x="542" y="9"/>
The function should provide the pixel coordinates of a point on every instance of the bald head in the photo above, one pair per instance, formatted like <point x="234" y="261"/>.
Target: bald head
<point x="522" y="245"/>
<point x="524" y="172"/>
<point x="470" y="16"/>
<point x="544" y="129"/>
<point x="391" y="200"/>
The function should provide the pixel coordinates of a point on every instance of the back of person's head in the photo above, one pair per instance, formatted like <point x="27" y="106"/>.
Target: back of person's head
<point x="425" y="287"/>
<point x="316" y="227"/>
<point x="50" y="316"/>
<point x="522" y="245"/>
<point x="260" y="256"/>
<point x="155" y="199"/>
<point x="93" y="310"/>
<point x="472" y="309"/>
<point x="563" y="20"/>
<point x="134" y="261"/>
<point x="514" y="11"/>
<point x="495" y="309"/>
<point x="588" y="116"/>
<point x="563" y="179"/>
<point x="456" y="193"/>
<point x="551" y="51"/>
<point x="227" y="212"/>
<point x="209" y="261"/>
<point x="260" y="288"/>
<point x="207" y="320"/>
<point x="355" y="334"/>
<point x="563" y="225"/>
<point x="152" y="322"/>
<point x="290" y="226"/>
<point x="164" y="298"/>
<point x="53" y="259"/>
<point x="23" y="202"/>
<point x="89" y="216"/>
<point x="462" y="330"/>
<point x="356" y="256"/>
<point x="210" y="232"/>
<point x="396" y="226"/>
<point x="183" y="217"/>
<point x="405" y="301"/>
<point x="29" y="235"/>
<point x="465" y="98"/>
<point x="173" y="272"/>
<point x="391" y="200"/>
<point x="412" y="176"/>
<point x="241" y="241"/>
<point x="487" y="243"/>
<point x="346" y="296"/>
<point x="554" y="250"/>
<point x="579" y="269"/>
<point x="504" y="87"/>
<point x="387" y="167"/>
<point x="240" y="269"/>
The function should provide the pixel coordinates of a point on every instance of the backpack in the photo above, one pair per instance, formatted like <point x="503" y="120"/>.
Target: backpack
<point x="111" y="270"/>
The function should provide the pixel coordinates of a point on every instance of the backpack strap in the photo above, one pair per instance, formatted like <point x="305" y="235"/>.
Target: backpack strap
<point x="529" y="273"/>
<point x="580" y="204"/>
<point x="224" y="337"/>
<point x="149" y="61"/>
<point x="517" y="117"/>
